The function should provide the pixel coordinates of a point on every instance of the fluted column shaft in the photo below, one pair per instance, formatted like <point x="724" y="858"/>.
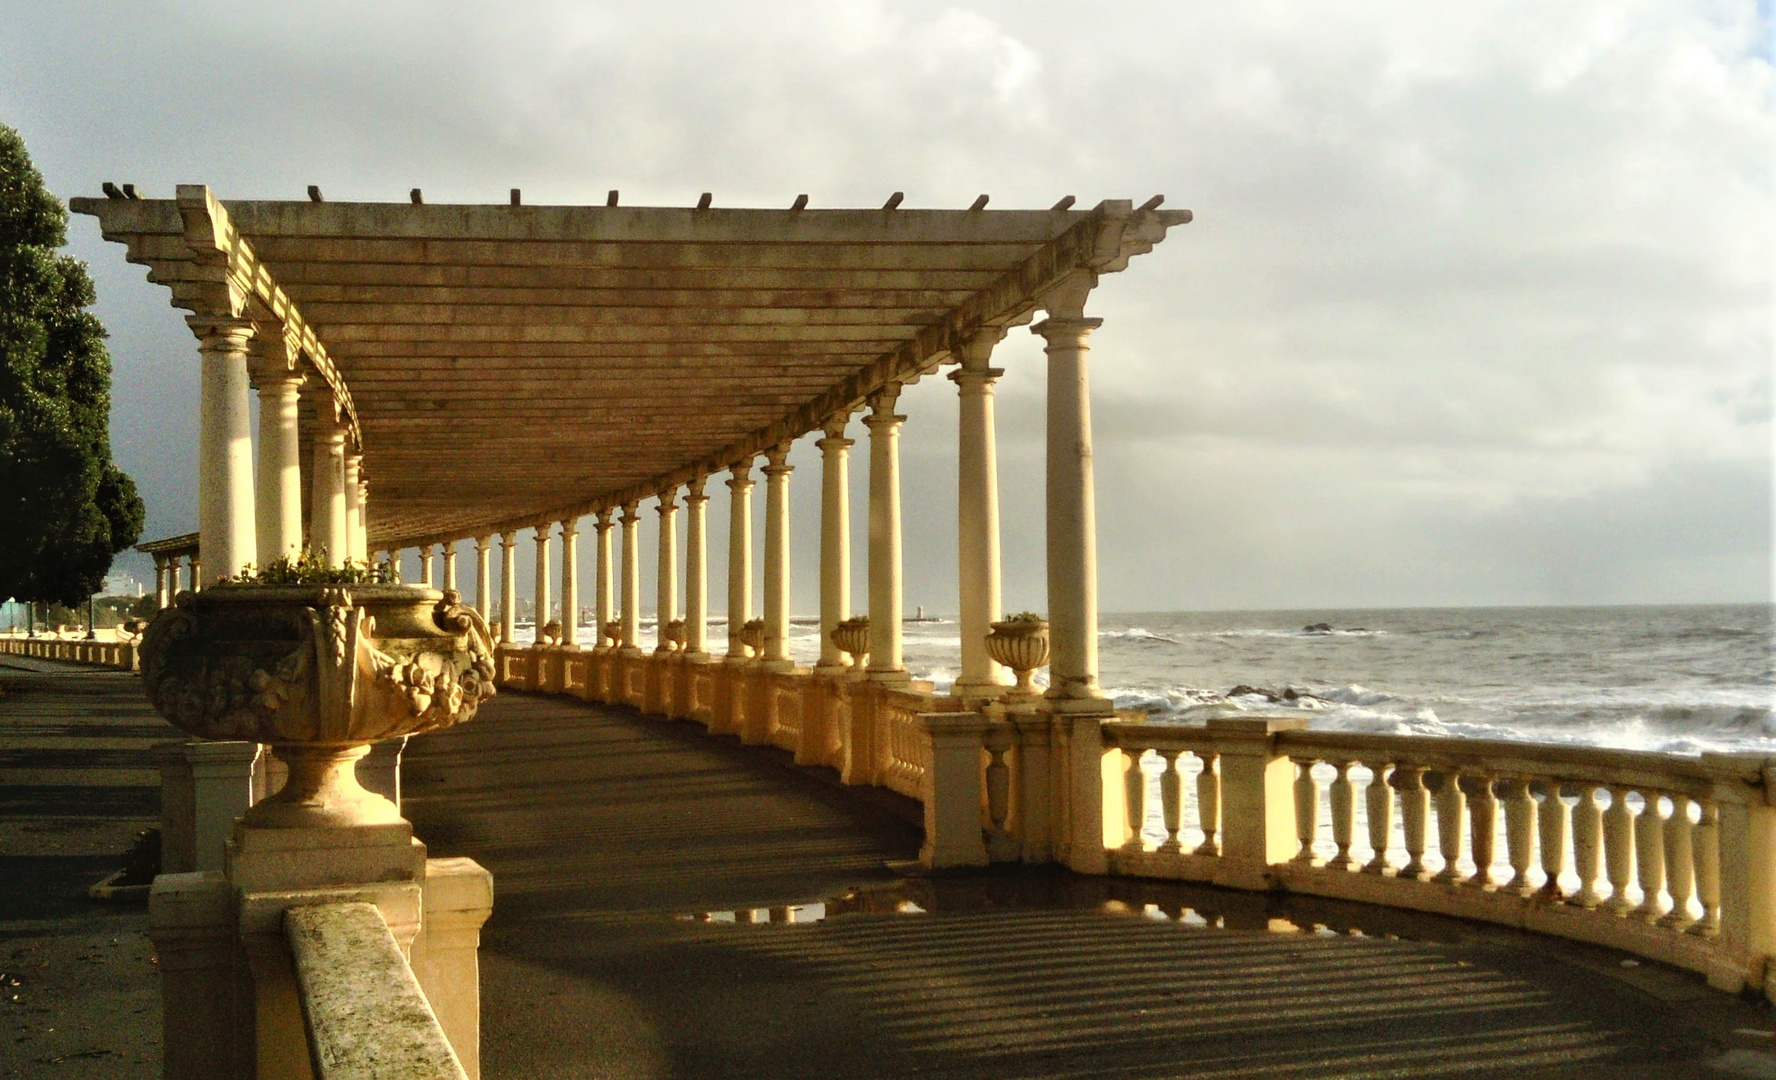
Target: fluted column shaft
<point x="604" y="600"/>
<point x="631" y="578"/>
<point x="484" y="576"/>
<point x="541" y="591"/>
<point x="1071" y="510"/>
<point x="279" y="493"/>
<point x="666" y="569"/>
<point x="835" y="540"/>
<point x="508" y="584"/>
<point x="977" y="516"/>
<point x="777" y="471"/>
<point x="570" y="583"/>
<point x="739" y="554"/>
<point x="351" y="465"/>
<point x="884" y="537"/>
<point x="696" y="600"/>
<point x="227" y="532"/>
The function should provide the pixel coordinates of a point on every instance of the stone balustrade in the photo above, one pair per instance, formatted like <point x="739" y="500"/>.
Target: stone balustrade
<point x="99" y="652"/>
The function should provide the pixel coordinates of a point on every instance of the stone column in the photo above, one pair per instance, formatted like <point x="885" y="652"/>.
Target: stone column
<point x="777" y="472"/>
<point x="354" y="508"/>
<point x="570" y="583"/>
<point x="542" y="579"/>
<point x="977" y="517"/>
<point x="631" y="578"/>
<point x="225" y="519"/>
<point x="194" y="571"/>
<point x="884" y="536"/>
<point x="666" y="576"/>
<point x="1072" y="516"/>
<point x="605" y="600"/>
<point x="362" y="543"/>
<point x="739" y="554"/>
<point x="450" y="565"/>
<point x="326" y="521"/>
<point x="835" y="539"/>
<point x="696" y="605"/>
<point x="279" y="510"/>
<point x="427" y="557"/>
<point x="484" y="576"/>
<point x="163" y="594"/>
<point x="508" y="583"/>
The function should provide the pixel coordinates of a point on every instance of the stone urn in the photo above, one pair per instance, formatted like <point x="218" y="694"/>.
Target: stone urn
<point x="752" y="635"/>
<point x="319" y="672"/>
<point x="672" y="637"/>
<point x="613" y="633"/>
<point x="1022" y="646"/>
<point x="852" y="637"/>
<point x="550" y="633"/>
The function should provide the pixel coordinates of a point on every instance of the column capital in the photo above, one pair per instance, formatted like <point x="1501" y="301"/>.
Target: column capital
<point x="694" y="487"/>
<point x="668" y="502"/>
<point x="483" y="544"/>
<point x="741" y="477"/>
<point x="631" y="511"/>
<point x="1065" y="331"/>
<point x="221" y="335"/>
<point x="695" y="497"/>
<point x="835" y="442"/>
<point x="973" y="347"/>
<point x="882" y="401"/>
<point x="509" y="539"/>
<point x="776" y="459"/>
<point x="835" y="426"/>
<point x="569" y="527"/>
<point x="603" y="517"/>
<point x="1066" y="298"/>
<point x="976" y="380"/>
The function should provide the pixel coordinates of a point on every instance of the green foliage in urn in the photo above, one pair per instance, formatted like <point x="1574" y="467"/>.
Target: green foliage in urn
<point x="65" y="508"/>
<point x="1025" y="617"/>
<point x="310" y="568"/>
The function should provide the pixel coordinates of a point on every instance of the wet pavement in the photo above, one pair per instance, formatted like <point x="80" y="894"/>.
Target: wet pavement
<point x="672" y="905"/>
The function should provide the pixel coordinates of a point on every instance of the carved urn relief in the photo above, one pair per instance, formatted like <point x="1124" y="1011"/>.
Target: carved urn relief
<point x="319" y="672"/>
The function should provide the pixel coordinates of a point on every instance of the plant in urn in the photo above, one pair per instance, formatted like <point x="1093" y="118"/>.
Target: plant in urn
<point x="1021" y="644"/>
<point x="319" y="671"/>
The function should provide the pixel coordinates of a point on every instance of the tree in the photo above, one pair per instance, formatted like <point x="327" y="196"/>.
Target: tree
<point x="65" y="508"/>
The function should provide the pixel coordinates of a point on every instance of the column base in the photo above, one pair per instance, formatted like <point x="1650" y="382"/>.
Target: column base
<point x="889" y="676"/>
<point x="777" y="665"/>
<point x="978" y="692"/>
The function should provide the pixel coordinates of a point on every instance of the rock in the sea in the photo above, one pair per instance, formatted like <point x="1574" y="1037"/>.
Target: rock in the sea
<point x="1317" y="628"/>
<point x="1242" y="690"/>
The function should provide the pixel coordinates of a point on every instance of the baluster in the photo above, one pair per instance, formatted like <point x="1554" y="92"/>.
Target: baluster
<point x="1307" y="809"/>
<point x="1706" y="844"/>
<point x="1551" y="817"/>
<point x="1378" y="800"/>
<point x="1344" y="813"/>
<point x="998" y="787"/>
<point x="1587" y="829"/>
<point x="1451" y="805"/>
<point x="1483" y="831"/>
<point x="1414" y="815"/>
<point x="1618" y="849"/>
<point x="1171" y="801"/>
<point x="1680" y="864"/>
<point x="1520" y="808"/>
<point x="1208" y="802"/>
<point x="1134" y="780"/>
<point x="1649" y="854"/>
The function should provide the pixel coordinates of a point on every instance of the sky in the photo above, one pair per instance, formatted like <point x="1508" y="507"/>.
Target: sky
<point x="1476" y="308"/>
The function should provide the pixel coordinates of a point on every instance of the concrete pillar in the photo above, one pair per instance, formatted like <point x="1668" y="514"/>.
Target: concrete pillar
<point x="777" y="470"/>
<point x="605" y="600"/>
<point x="1257" y="799"/>
<point x="279" y="511"/>
<point x="326" y="520"/>
<point x="484" y="576"/>
<point x="953" y="808"/>
<point x="835" y="539"/>
<point x="977" y="517"/>
<point x="570" y="583"/>
<point x="666" y="573"/>
<point x="631" y="578"/>
<point x="427" y="557"/>
<point x="508" y="583"/>
<point x="1071" y="511"/>
<point x="225" y="519"/>
<point x="450" y="566"/>
<point x="884" y="537"/>
<point x="739" y="554"/>
<point x="541" y="594"/>
<point x="354" y="508"/>
<point x="696" y="604"/>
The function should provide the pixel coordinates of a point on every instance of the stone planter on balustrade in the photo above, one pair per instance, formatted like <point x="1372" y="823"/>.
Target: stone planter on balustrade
<point x="1022" y="646"/>
<point x="852" y="638"/>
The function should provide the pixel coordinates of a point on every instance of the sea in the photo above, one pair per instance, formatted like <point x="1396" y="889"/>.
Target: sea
<point x="1677" y="678"/>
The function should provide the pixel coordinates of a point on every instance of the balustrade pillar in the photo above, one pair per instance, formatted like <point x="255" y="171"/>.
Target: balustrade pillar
<point x="631" y="578"/>
<point x="484" y="577"/>
<point x="884" y="537"/>
<point x="835" y="540"/>
<point x="1071" y="505"/>
<point x="603" y="600"/>
<point x="351" y="466"/>
<point x="326" y="521"/>
<point x="739" y="555"/>
<point x="227" y="532"/>
<point x="570" y="583"/>
<point x="508" y="584"/>
<point x="696" y="600"/>
<point x="977" y="516"/>
<point x="279" y="490"/>
<point x="541" y="584"/>
<point x="666" y="570"/>
<point x="777" y="472"/>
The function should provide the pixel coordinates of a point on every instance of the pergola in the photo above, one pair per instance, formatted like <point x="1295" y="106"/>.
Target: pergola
<point x="455" y="372"/>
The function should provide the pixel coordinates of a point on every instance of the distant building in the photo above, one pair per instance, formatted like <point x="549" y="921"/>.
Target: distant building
<point x="121" y="583"/>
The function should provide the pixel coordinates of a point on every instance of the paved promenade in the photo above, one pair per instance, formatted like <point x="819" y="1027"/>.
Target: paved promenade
<point x="670" y="905"/>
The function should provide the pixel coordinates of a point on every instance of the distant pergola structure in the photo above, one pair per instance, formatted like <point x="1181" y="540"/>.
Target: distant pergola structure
<point x="487" y="369"/>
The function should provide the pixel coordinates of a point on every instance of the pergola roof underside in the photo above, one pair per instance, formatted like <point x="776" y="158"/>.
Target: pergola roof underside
<point x="509" y="361"/>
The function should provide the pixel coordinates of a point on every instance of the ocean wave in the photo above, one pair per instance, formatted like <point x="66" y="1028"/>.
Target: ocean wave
<point x="1311" y="635"/>
<point x="1135" y="633"/>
